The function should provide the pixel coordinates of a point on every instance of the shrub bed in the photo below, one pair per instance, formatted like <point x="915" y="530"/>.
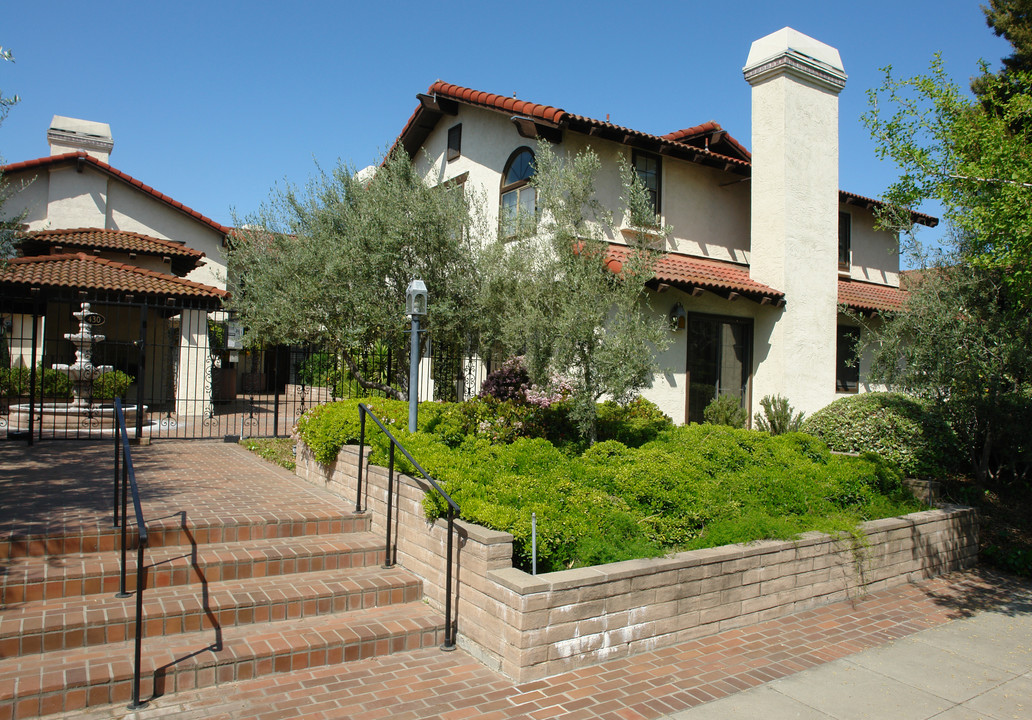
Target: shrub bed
<point x="901" y="429"/>
<point x="686" y="487"/>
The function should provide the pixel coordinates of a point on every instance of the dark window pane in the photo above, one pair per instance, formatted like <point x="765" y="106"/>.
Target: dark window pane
<point x="843" y="240"/>
<point x="847" y="370"/>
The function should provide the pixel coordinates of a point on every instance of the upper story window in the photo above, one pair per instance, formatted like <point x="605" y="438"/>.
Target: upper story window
<point x="454" y="142"/>
<point x="650" y="171"/>
<point x="518" y="198"/>
<point x="844" y="223"/>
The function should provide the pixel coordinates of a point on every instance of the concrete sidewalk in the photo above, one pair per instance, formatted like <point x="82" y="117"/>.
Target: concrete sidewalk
<point x="976" y="667"/>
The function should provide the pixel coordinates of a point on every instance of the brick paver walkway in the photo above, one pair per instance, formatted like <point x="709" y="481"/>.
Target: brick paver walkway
<point x="434" y="684"/>
<point x="224" y="481"/>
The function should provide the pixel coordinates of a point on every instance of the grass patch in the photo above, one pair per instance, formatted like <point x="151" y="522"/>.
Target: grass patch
<point x="276" y="450"/>
<point x="686" y="487"/>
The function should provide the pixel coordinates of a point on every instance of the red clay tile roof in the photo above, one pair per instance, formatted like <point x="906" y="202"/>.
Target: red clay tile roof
<point x="104" y="239"/>
<point x="684" y="270"/>
<point x="860" y="295"/>
<point x="739" y="162"/>
<point x="702" y="135"/>
<point x="82" y="271"/>
<point x="80" y="156"/>
<point x="557" y="117"/>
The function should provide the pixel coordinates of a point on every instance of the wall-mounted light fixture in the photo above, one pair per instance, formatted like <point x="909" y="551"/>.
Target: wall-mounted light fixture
<point x="678" y="317"/>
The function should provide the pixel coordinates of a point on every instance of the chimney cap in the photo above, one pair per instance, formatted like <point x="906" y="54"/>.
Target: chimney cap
<point x="93" y="137"/>
<point x="788" y="50"/>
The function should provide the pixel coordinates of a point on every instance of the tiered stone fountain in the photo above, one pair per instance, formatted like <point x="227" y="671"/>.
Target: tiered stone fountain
<point x="83" y="372"/>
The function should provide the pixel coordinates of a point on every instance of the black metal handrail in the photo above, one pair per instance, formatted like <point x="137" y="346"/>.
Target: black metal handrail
<point x="453" y="512"/>
<point x="124" y="461"/>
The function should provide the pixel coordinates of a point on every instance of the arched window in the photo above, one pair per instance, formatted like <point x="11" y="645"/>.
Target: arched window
<point x="519" y="199"/>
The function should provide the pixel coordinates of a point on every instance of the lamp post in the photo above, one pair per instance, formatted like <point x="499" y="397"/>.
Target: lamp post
<point x="415" y="306"/>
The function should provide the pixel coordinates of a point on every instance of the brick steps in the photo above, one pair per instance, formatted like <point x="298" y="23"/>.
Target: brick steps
<point x="34" y="578"/>
<point x="169" y="531"/>
<point x="66" y="680"/>
<point x="227" y="599"/>
<point x="68" y="623"/>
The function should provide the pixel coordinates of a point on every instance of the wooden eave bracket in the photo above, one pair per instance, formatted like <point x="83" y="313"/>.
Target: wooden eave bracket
<point x="533" y="129"/>
<point x="433" y="103"/>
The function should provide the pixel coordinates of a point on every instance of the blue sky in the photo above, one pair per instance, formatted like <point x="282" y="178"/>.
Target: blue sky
<point x="216" y="102"/>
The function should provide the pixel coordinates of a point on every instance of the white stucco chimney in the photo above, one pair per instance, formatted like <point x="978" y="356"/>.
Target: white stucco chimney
<point x="70" y="134"/>
<point x="794" y="223"/>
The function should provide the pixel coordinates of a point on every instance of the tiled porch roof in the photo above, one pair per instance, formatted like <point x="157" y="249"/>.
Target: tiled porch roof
<point x="870" y="297"/>
<point x="687" y="273"/>
<point x="80" y="271"/>
<point x="118" y="240"/>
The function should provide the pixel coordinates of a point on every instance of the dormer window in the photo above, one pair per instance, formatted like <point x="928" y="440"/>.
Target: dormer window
<point x="518" y="203"/>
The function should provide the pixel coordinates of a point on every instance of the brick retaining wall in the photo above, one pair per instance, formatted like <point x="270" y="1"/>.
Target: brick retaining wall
<point x="529" y="627"/>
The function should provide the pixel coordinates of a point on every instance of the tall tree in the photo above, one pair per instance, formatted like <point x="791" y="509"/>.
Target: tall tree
<point x="8" y="225"/>
<point x="964" y="337"/>
<point x="330" y="263"/>
<point x="973" y="157"/>
<point x="559" y="298"/>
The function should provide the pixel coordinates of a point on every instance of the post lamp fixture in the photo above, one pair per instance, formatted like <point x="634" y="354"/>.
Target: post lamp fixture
<point x="415" y="307"/>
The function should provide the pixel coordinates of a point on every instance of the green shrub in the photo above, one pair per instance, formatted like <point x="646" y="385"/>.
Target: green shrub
<point x="903" y="430"/>
<point x="16" y="382"/>
<point x="687" y="487"/>
<point x="777" y="418"/>
<point x="725" y="410"/>
<point x="111" y="385"/>
<point x="633" y="424"/>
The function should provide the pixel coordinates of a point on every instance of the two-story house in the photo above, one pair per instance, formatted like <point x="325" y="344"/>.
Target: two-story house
<point x="766" y="251"/>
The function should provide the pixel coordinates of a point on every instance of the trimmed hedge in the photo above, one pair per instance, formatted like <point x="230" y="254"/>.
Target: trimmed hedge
<point x="688" y="487"/>
<point x="901" y="429"/>
<point x="16" y="382"/>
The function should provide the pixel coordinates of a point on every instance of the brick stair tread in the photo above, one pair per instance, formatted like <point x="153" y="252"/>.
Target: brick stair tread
<point x="311" y="593"/>
<point x="169" y="531"/>
<point x="101" y="564"/>
<point x="362" y="630"/>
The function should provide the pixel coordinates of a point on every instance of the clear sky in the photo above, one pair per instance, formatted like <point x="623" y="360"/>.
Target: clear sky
<point x="216" y="102"/>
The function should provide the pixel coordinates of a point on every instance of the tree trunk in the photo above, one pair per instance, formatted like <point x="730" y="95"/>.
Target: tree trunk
<point x="368" y="384"/>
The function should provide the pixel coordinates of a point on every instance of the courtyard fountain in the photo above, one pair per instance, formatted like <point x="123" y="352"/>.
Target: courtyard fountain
<point x="82" y="413"/>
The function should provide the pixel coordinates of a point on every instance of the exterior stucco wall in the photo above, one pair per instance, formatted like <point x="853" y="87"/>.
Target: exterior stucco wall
<point x="129" y="209"/>
<point x="76" y="199"/>
<point x="708" y="220"/>
<point x="29" y="193"/>
<point x="874" y="253"/>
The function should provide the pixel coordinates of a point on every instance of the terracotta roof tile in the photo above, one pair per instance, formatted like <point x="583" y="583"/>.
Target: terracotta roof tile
<point x="713" y="275"/>
<point x="106" y="239"/>
<point x="82" y="271"/>
<point x="869" y="296"/>
<point x="80" y="156"/>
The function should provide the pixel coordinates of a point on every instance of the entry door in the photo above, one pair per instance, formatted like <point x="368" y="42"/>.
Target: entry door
<point x="719" y="361"/>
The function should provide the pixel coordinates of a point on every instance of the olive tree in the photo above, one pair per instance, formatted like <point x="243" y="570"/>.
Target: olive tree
<point x="561" y="300"/>
<point x="329" y="263"/>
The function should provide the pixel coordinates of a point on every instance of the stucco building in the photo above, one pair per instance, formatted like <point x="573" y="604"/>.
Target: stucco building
<point x="766" y="251"/>
<point x="151" y="267"/>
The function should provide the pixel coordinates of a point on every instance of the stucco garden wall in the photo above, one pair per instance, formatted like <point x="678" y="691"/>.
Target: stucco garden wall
<point x="529" y="627"/>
